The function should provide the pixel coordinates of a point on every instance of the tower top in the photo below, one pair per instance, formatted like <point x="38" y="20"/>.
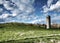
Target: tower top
<point x="48" y="16"/>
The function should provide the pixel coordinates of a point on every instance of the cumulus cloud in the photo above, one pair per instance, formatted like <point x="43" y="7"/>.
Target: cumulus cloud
<point x="51" y="7"/>
<point x="27" y="1"/>
<point x="3" y="16"/>
<point x="7" y="5"/>
<point x="23" y="7"/>
<point x="45" y="9"/>
<point x="20" y="9"/>
<point x="49" y="2"/>
<point x="1" y="1"/>
<point x="40" y="21"/>
<point x="55" y="18"/>
<point x="55" y="6"/>
<point x="1" y="10"/>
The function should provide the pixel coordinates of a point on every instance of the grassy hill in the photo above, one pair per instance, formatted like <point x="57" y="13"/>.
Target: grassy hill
<point x="26" y="33"/>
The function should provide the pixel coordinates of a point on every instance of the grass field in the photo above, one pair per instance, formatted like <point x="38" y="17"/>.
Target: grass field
<point x="21" y="33"/>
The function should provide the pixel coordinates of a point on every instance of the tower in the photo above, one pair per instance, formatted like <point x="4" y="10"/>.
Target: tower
<point x="48" y="18"/>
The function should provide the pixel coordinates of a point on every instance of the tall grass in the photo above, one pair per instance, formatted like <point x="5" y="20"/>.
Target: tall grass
<point x="20" y="32"/>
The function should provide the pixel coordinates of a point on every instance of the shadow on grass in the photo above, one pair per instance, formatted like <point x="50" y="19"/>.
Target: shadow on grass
<point x="41" y="39"/>
<point x="12" y="41"/>
<point x="38" y="40"/>
<point x="16" y="41"/>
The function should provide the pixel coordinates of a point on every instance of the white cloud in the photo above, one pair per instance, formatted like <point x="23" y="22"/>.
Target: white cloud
<point x="7" y="5"/>
<point x="23" y="6"/>
<point x="51" y="7"/>
<point x="55" y="18"/>
<point x="1" y="10"/>
<point x="55" y="6"/>
<point x="1" y="1"/>
<point x="27" y="1"/>
<point x="26" y="17"/>
<point x="45" y="9"/>
<point x="49" y="2"/>
<point x="14" y="14"/>
<point x="30" y="9"/>
<point x="20" y="9"/>
<point x="40" y="21"/>
<point x="3" y="16"/>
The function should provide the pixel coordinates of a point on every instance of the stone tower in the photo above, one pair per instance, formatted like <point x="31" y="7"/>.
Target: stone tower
<point x="48" y="18"/>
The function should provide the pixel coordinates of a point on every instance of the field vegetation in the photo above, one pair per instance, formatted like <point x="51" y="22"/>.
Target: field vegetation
<point x="27" y="33"/>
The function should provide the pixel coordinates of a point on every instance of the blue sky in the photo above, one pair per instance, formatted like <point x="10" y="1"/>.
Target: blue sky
<point x="29" y="11"/>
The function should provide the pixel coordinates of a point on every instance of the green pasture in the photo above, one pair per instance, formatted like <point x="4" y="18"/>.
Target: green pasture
<point x="21" y="33"/>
